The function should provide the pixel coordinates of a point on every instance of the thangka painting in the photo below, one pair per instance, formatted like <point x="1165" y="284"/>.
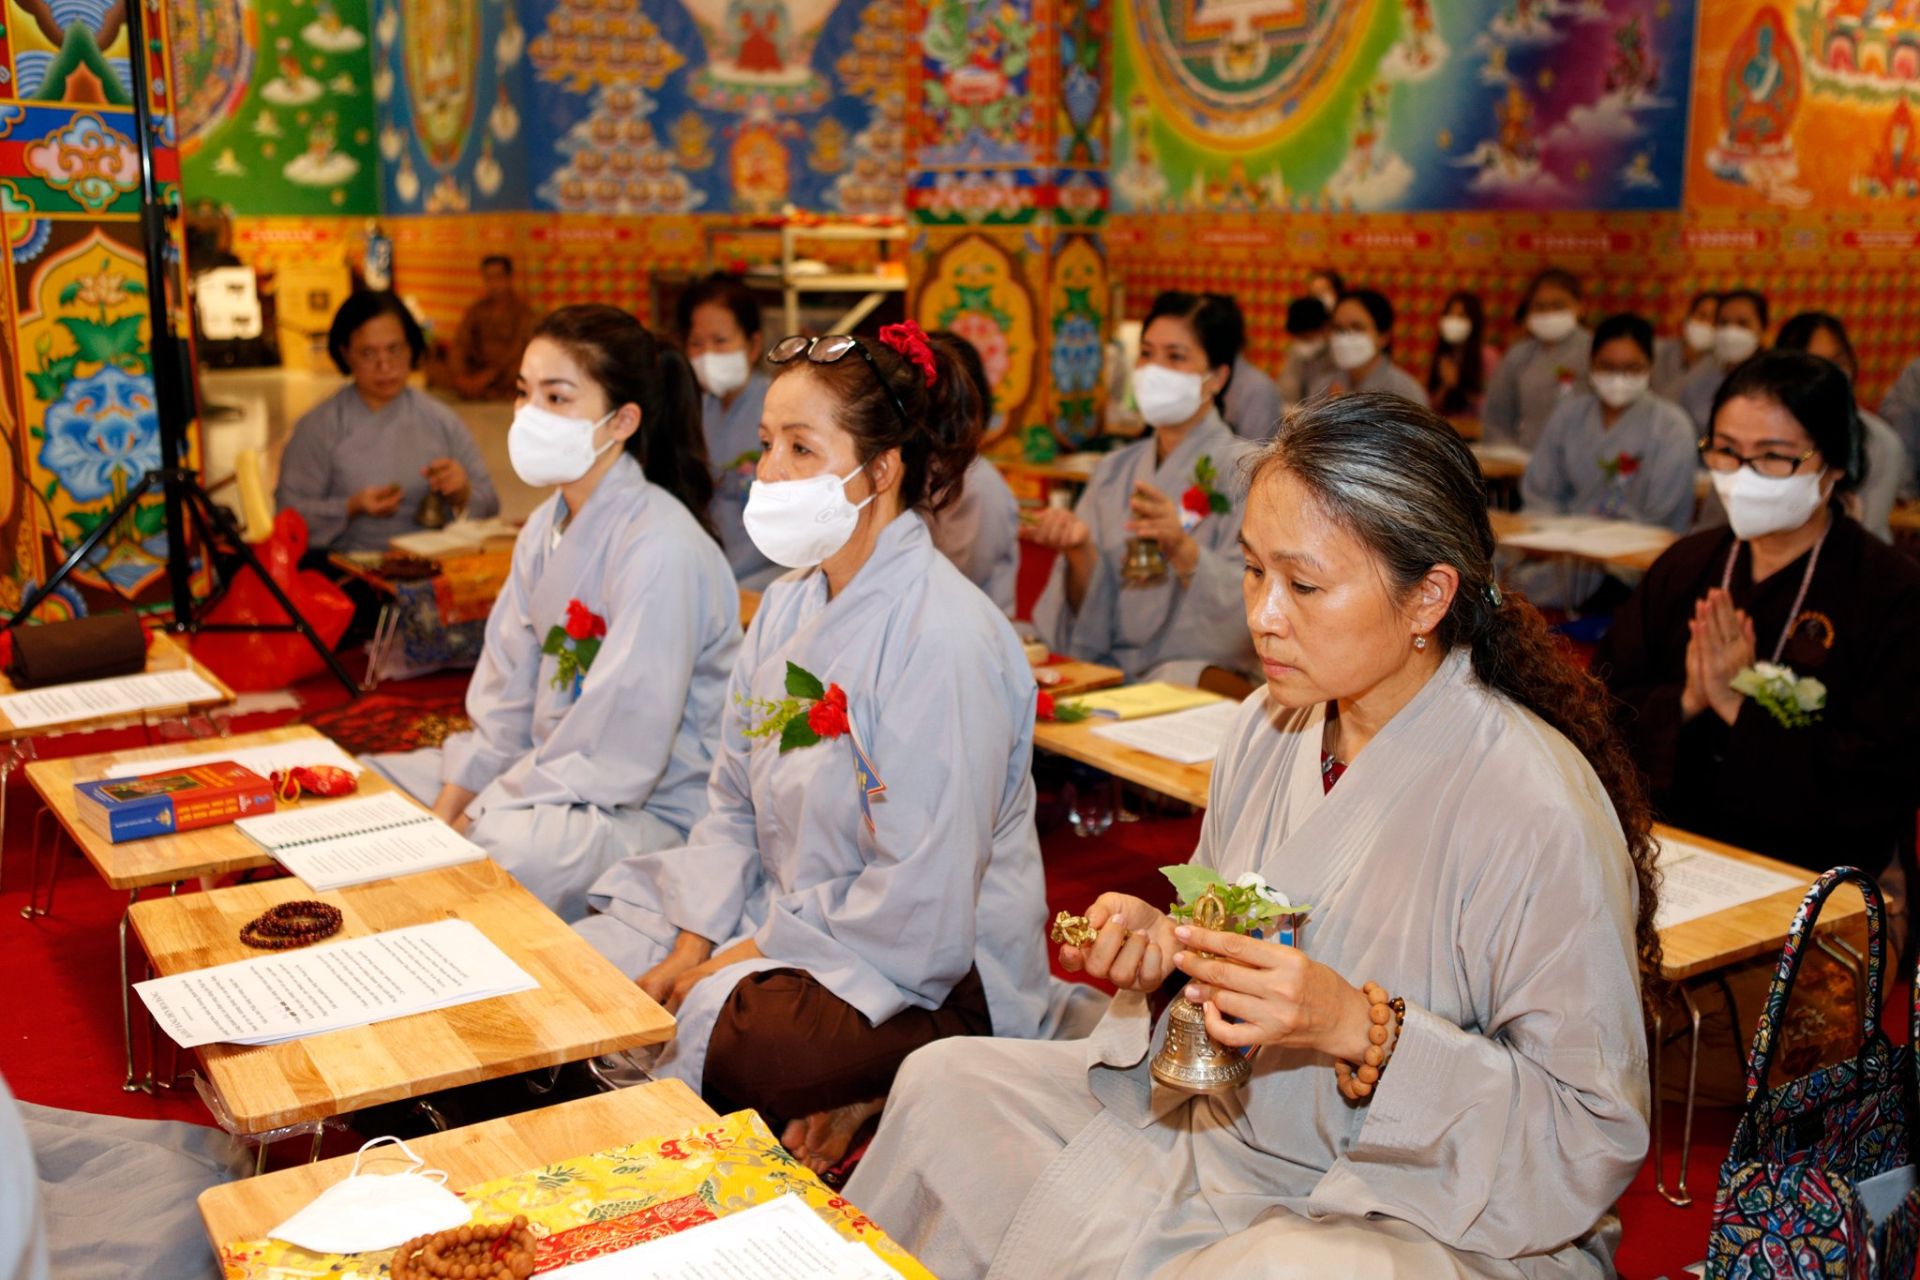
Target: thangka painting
<point x="1807" y="104"/>
<point x="276" y="112"/>
<point x="448" y="86"/>
<point x="716" y="106"/>
<point x="1337" y="105"/>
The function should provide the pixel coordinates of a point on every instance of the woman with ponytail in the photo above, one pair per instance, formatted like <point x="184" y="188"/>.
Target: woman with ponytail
<point x="868" y="879"/>
<point x="1449" y="1071"/>
<point x="597" y="698"/>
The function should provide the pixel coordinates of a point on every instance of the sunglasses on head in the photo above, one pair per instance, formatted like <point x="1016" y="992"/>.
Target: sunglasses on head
<point x="832" y="349"/>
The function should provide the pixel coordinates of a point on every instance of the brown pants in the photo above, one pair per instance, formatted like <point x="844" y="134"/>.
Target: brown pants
<point x="787" y="1047"/>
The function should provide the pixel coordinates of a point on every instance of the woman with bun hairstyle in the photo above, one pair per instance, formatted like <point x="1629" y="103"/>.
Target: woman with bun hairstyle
<point x="591" y="746"/>
<point x="867" y="879"/>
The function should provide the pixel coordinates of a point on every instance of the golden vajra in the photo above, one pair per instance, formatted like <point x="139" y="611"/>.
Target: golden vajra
<point x="1075" y="931"/>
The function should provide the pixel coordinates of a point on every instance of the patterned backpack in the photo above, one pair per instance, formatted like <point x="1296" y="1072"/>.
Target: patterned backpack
<point x="1790" y="1201"/>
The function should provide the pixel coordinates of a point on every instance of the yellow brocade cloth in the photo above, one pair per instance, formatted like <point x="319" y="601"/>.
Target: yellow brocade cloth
<point x="615" y="1199"/>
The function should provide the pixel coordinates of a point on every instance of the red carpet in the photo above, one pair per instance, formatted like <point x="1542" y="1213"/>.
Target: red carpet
<point x="61" y="1042"/>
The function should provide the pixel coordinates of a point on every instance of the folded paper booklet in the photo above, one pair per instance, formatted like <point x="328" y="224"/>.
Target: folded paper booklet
<point x="290" y="994"/>
<point x="1137" y="701"/>
<point x="347" y="842"/>
<point x="95" y="699"/>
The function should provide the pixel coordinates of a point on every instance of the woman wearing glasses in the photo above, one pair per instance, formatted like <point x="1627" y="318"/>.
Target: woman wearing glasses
<point x="361" y="462"/>
<point x="1148" y="575"/>
<point x="598" y="692"/>
<point x="867" y="878"/>
<point x="1832" y="775"/>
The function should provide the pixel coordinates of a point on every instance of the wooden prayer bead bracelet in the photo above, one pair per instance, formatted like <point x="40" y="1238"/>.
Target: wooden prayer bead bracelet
<point x="486" y="1251"/>
<point x="1357" y="1083"/>
<point x="291" y="924"/>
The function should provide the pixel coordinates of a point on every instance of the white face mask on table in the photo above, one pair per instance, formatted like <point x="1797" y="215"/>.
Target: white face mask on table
<point x="799" y="523"/>
<point x="365" y="1212"/>
<point x="547" y="449"/>
<point x="1167" y="397"/>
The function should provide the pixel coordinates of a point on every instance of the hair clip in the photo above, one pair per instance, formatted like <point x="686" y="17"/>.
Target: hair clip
<point x="910" y="342"/>
<point x="1493" y="595"/>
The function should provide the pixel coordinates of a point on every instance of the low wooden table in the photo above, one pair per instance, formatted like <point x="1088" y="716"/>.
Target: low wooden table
<point x="1186" y="782"/>
<point x="1075" y="678"/>
<point x="1703" y="948"/>
<point x="479" y="1153"/>
<point x="161" y="860"/>
<point x="582" y="1008"/>
<point x="1507" y="524"/>
<point x="164" y="653"/>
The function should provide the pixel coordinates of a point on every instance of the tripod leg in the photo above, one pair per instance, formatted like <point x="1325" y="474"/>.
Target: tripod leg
<point x="203" y="512"/>
<point x="80" y="554"/>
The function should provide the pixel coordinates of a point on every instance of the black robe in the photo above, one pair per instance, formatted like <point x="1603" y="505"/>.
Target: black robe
<point x="1842" y="791"/>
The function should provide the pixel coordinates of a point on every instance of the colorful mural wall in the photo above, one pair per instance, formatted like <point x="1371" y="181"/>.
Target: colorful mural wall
<point x="78" y="422"/>
<point x="1366" y="105"/>
<point x="701" y="106"/>
<point x="276" y="113"/>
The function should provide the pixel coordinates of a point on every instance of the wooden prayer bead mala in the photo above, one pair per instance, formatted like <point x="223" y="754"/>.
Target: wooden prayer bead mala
<point x="480" y="1251"/>
<point x="291" y="924"/>
<point x="1356" y="1084"/>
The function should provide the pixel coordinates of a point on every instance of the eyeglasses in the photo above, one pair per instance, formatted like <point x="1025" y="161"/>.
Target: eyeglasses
<point x="1778" y="466"/>
<point x="832" y="349"/>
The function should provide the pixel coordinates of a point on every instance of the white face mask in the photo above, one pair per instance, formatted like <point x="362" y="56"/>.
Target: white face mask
<point x="1699" y="335"/>
<point x="1455" y="329"/>
<point x="1618" y="390"/>
<point x="1758" y="505"/>
<point x="1551" y="327"/>
<point x="1309" y="348"/>
<point x="1167" y="397"/>
<point x="721" y="373"/>
<point x="799" y="523"/>
<point x="547" y="449"/>
<point x="1733" y="344"/>
<point x="1351" y="350"/>
<point x="364" y="1212"/>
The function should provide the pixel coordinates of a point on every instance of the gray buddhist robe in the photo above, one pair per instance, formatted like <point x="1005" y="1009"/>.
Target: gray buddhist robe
<point x="733" y="447"/>
<point x="1670" y="365"/>
<point x="1470" y="863"/>
<point x="980" y="532"/>
<point x="1697" y="390"/>
<point x="941" y="698"/>
<point x="23" y="1239"/>
<point x="1252" y="405"/>
<point x="340" y="447"/>
<point x="570" y="781"/>
<point x="1385" y="377"/>
<point x="1901" y="409"/>
<point x="1301" y="374"/>
<point x="1528" y="385"/>
<point x="1140" y="628"/>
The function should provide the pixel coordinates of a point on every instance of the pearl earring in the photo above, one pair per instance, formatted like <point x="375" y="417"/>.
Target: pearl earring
<point x="1420" y="642"/>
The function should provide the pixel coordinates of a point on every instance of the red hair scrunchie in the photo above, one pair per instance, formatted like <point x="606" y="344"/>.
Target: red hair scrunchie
<point x="910" y="341"/>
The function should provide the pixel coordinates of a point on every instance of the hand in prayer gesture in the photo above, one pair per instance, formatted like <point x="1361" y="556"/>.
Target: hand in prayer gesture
<point x="1157" y="516"/>
<point x="1135" y="946"/>
<point x="1277" y="993"/>
<point x="1720" y="647"/>
<point x="446" y="477"/>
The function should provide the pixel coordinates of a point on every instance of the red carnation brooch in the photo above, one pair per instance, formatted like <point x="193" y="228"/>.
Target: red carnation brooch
<point x="910" y="341"/>
<point x="1203" y="498"/>
<point x="811" y="712"/>
<point x="1046" y="709"/>
<point x="1621" y="466"/>
<point x="574" y="644"/>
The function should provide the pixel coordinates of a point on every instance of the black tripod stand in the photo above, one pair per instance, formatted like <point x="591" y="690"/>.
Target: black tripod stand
<point x="178" y="485"/>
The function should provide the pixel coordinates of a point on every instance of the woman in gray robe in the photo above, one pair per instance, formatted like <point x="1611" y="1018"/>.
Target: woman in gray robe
<point x="560" y="777"/>
<point x="720" y="324"/>
<point x="1425" y="770"/>
<point x="1542" y="368"/>
<point x="1179" y="486"/>
<point x="875" y="885"/>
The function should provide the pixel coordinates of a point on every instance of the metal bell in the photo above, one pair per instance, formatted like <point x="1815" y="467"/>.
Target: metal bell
<point x="433" y="512"/>
<point x="1145" y="564"/>
<point x="1190" y="1059"/>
